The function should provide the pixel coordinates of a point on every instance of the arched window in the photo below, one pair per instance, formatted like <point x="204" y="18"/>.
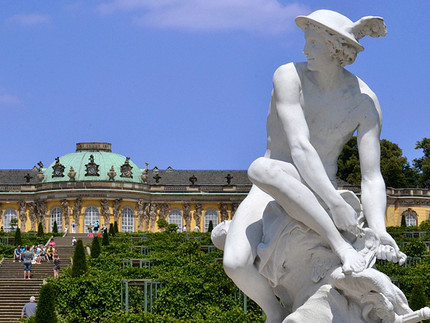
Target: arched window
<point x="211" y="215"/>
<point x="91" y="215"/>
<point x="127" y="221"/>
<point x="175" y="217"/>
<point x="411" y="219"/>
<point x="57" y="216"/>
<point x="8" y="215"/>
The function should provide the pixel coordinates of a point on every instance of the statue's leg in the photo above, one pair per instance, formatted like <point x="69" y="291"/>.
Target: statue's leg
<point x="244" y="234"/>
<point x="281" y="181"/>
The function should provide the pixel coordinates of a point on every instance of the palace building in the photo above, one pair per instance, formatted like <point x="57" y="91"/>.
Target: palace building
<point x="93" y="183"/>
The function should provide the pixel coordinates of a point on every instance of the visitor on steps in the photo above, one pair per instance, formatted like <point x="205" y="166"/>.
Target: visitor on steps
<point x="74" y="242"/>
<point x="96" y="226"/>
<point x="56" y="265"/>
<point x="27" y="258"/>
<point x="49" y="253"/>
<point x="52" y="243"/>
<point x="30" y="308"/>
<point x="17" y="254"/>
<point x="73" y="227"/>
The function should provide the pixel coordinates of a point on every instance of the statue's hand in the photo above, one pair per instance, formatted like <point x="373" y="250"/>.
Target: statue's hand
<point x="388" y="249"/>
<point x="345" y="218"/>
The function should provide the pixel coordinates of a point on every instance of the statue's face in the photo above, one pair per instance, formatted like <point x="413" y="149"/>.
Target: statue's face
<point x="316" y="51"/>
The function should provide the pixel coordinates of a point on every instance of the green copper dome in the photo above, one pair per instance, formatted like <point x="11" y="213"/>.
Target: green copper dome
<point x="92" y="162"/>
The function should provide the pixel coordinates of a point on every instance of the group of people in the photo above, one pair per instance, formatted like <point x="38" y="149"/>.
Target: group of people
<point x="35" y="255"/>
<point x="95" y="229"/>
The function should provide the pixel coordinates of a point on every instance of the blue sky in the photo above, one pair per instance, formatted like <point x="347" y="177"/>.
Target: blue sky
<point x="184" y="83"/>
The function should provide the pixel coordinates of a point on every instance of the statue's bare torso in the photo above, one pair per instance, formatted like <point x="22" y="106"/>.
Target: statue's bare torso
<point x="332" y="117"/>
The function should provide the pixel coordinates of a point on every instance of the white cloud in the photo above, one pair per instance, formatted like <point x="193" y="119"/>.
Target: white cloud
<point x="8" y="99"/>
<point x="29" y="19"/>
<point x="268" y="16"/>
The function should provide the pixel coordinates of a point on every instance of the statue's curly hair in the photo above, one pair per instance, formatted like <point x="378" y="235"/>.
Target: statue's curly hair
<point x="338" y="46"/>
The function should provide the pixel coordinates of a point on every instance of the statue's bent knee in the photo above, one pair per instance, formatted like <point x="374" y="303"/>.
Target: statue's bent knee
<point x="260" y="170"/>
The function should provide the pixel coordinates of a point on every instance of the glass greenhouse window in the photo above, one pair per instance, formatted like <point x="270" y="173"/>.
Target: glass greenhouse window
<point x="8" y="215"/>
<point x="175" y="217"/>
<point x="91" y="215"/>
<point x="211" y="215"/>
<point x="127" y="221"/>
<point x="57" y="216"/>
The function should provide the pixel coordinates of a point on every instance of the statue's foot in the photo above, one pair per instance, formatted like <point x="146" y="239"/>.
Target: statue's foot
<point x="352" y="261"/>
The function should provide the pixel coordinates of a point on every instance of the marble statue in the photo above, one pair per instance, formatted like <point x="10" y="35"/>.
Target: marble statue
<point x="301" y="249"/>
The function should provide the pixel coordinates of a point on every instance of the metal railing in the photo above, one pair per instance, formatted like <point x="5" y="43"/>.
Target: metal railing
<point x="150" y="289"/>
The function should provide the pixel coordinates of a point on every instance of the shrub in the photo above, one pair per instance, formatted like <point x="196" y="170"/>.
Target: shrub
<point x="171" y="228"/>
<point x="18" y="239"/>
<point x="210" y="226"/>
<point x="46" y="307"/>
<point x="80" y="266"/>
<point x="115" y="227"/>
<point x="403" y="222"/>
<point x="95" y="248"/>
<point x="418" y="298"/>
<point x="105" y="241"/>
<point x="111" y="230"/>
<point x="415" y="248"/>
<point x="162" y="224"/>
<point x="40" y="230"/>
<point x="55" y="228"/>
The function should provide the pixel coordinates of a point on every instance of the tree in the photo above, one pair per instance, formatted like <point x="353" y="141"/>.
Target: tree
<point x="18" y="239"/>
<point x="79" y="260"/>
<point x="423" y="163"/>
<point x="111" y="229"/>
<point x="171" y="228"/>
<point x="418" y="298"/>
<point x="95" y="248"/>
<point x="403" y="221"/>
<point x="115" y="227"/>
<point x="40" y="230"/>
<point x="45" y="312"/>
<point x="162" y="224"/>
<point x="395" y="168"/>
<point x="210" y="226"/>
<point x="55" y="228"/>
<point x="105" y="240"/>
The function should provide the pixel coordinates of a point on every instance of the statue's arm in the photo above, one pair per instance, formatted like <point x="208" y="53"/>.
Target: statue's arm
<point x="286" y="93"/>
<point x="373" y="194"/>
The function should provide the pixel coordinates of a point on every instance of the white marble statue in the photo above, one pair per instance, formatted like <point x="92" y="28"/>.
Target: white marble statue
<point x="296" y="237"/>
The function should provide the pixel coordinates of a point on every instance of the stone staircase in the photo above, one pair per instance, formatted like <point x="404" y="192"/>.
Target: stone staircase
<point x="15" y="291"/>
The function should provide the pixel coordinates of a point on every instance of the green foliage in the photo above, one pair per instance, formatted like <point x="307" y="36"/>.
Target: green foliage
<point x="171" y="228"/>
<point x="87" y="298"/>
<point x="403" y="222"/>
<point x="111" y="230"/>
<point x="14" y="223"/>
<point x="105" y="239"/>
<point x="162" y="224"/>
<point x="115" y="227"/>
<point x="395" y="168"/>
<point x="418" y="298"/>
<point x="210" y="226"/>
<point x="55" y="228"/>
<point x="46" y="306"/>
<point x="415" y="248"/>
<point x="80" y="266"/>
<point x="95" y="247"/>
<point x="40" y="230"/>
<point x="423" y="163"/>
<point x="18" y="239"/>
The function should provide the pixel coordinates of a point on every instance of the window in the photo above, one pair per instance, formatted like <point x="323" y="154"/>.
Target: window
<point x="411" y="219"/>
<point x="175" y="217"/>
<point x="91" y="215"/>
<point x="57" y="216"/>
<point x="127" y="221"/>
<point x="8" y="215"/>
<point x="211" y="215"/>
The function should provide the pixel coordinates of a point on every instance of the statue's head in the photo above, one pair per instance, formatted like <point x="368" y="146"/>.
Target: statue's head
<point x="341" y="35"/>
